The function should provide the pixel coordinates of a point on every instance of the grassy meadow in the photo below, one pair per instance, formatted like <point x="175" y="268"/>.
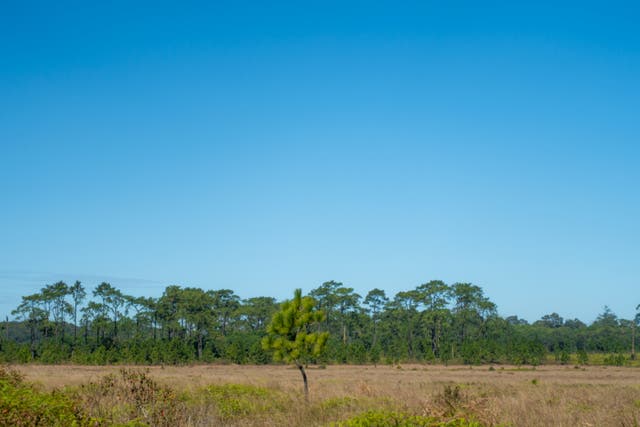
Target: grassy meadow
<point x="234" y="395"/>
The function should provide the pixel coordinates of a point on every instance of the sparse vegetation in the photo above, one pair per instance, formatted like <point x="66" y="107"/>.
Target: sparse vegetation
<point x="551" y="372"/>
<point x="233" y="395"/>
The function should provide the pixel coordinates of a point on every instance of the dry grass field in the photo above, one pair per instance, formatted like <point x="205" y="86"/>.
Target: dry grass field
<point x="491" y="395"/>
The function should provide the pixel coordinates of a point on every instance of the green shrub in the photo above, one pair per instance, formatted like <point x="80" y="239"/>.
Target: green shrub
<point x="583" y="357"/>
<point x="614" y="360"/>
<point x="22" y="405"/>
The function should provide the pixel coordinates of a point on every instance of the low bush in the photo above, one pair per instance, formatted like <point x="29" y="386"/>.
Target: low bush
<point x="615" y="360"/>
<point x="21" y="404"/>
<point x="131" y="396"/>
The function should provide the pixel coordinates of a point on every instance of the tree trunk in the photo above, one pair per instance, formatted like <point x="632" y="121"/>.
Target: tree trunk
<point x="437" y="337"/>
<point x="155" y="326"/>
<point x="410" y="343"/>
<point x="633" y="340"/>
<point x="304" y="379"/>
<point x="32" y="343"/>
<point x="375" y="333"/>
<point x="75" y="324"/>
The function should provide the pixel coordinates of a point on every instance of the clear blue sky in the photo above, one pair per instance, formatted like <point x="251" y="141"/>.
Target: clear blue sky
<point x="263" y="147"/>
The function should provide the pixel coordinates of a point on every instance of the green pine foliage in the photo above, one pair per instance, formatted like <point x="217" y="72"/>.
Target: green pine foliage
<point x="290" y="336"/>
<point x="433" y="323"/>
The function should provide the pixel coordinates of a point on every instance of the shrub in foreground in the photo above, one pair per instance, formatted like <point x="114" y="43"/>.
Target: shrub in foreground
<point x="21" y="404"/>
<point x="131" y="396"/>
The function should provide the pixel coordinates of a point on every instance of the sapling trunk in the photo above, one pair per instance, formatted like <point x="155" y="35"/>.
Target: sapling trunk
<point x="304" y="379"/>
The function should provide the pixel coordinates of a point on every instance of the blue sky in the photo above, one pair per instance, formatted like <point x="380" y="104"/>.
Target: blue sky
<point x="267" y="147"/>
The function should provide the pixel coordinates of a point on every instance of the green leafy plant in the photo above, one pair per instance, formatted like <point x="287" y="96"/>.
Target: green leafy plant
<point x="614" y="359"/>
<point x="21" y="404"/>
<point x="583" y="357"/>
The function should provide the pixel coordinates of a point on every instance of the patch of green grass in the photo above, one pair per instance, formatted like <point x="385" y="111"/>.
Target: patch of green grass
<point x="338" y="403"/>
<point x="399" y="419"/>
<point x="239" y="400"/>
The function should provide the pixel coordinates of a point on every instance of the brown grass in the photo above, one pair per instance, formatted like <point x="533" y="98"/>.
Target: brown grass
<point x="544" y="396"/>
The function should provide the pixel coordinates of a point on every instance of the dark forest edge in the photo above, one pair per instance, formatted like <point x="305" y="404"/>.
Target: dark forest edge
<point x="433" y="323"/>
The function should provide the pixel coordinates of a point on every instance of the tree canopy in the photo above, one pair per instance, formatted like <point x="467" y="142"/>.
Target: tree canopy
<point x="433" y="322"/>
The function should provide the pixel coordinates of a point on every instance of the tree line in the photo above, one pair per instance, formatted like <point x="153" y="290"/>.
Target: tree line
<point x="434" y="322"/>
